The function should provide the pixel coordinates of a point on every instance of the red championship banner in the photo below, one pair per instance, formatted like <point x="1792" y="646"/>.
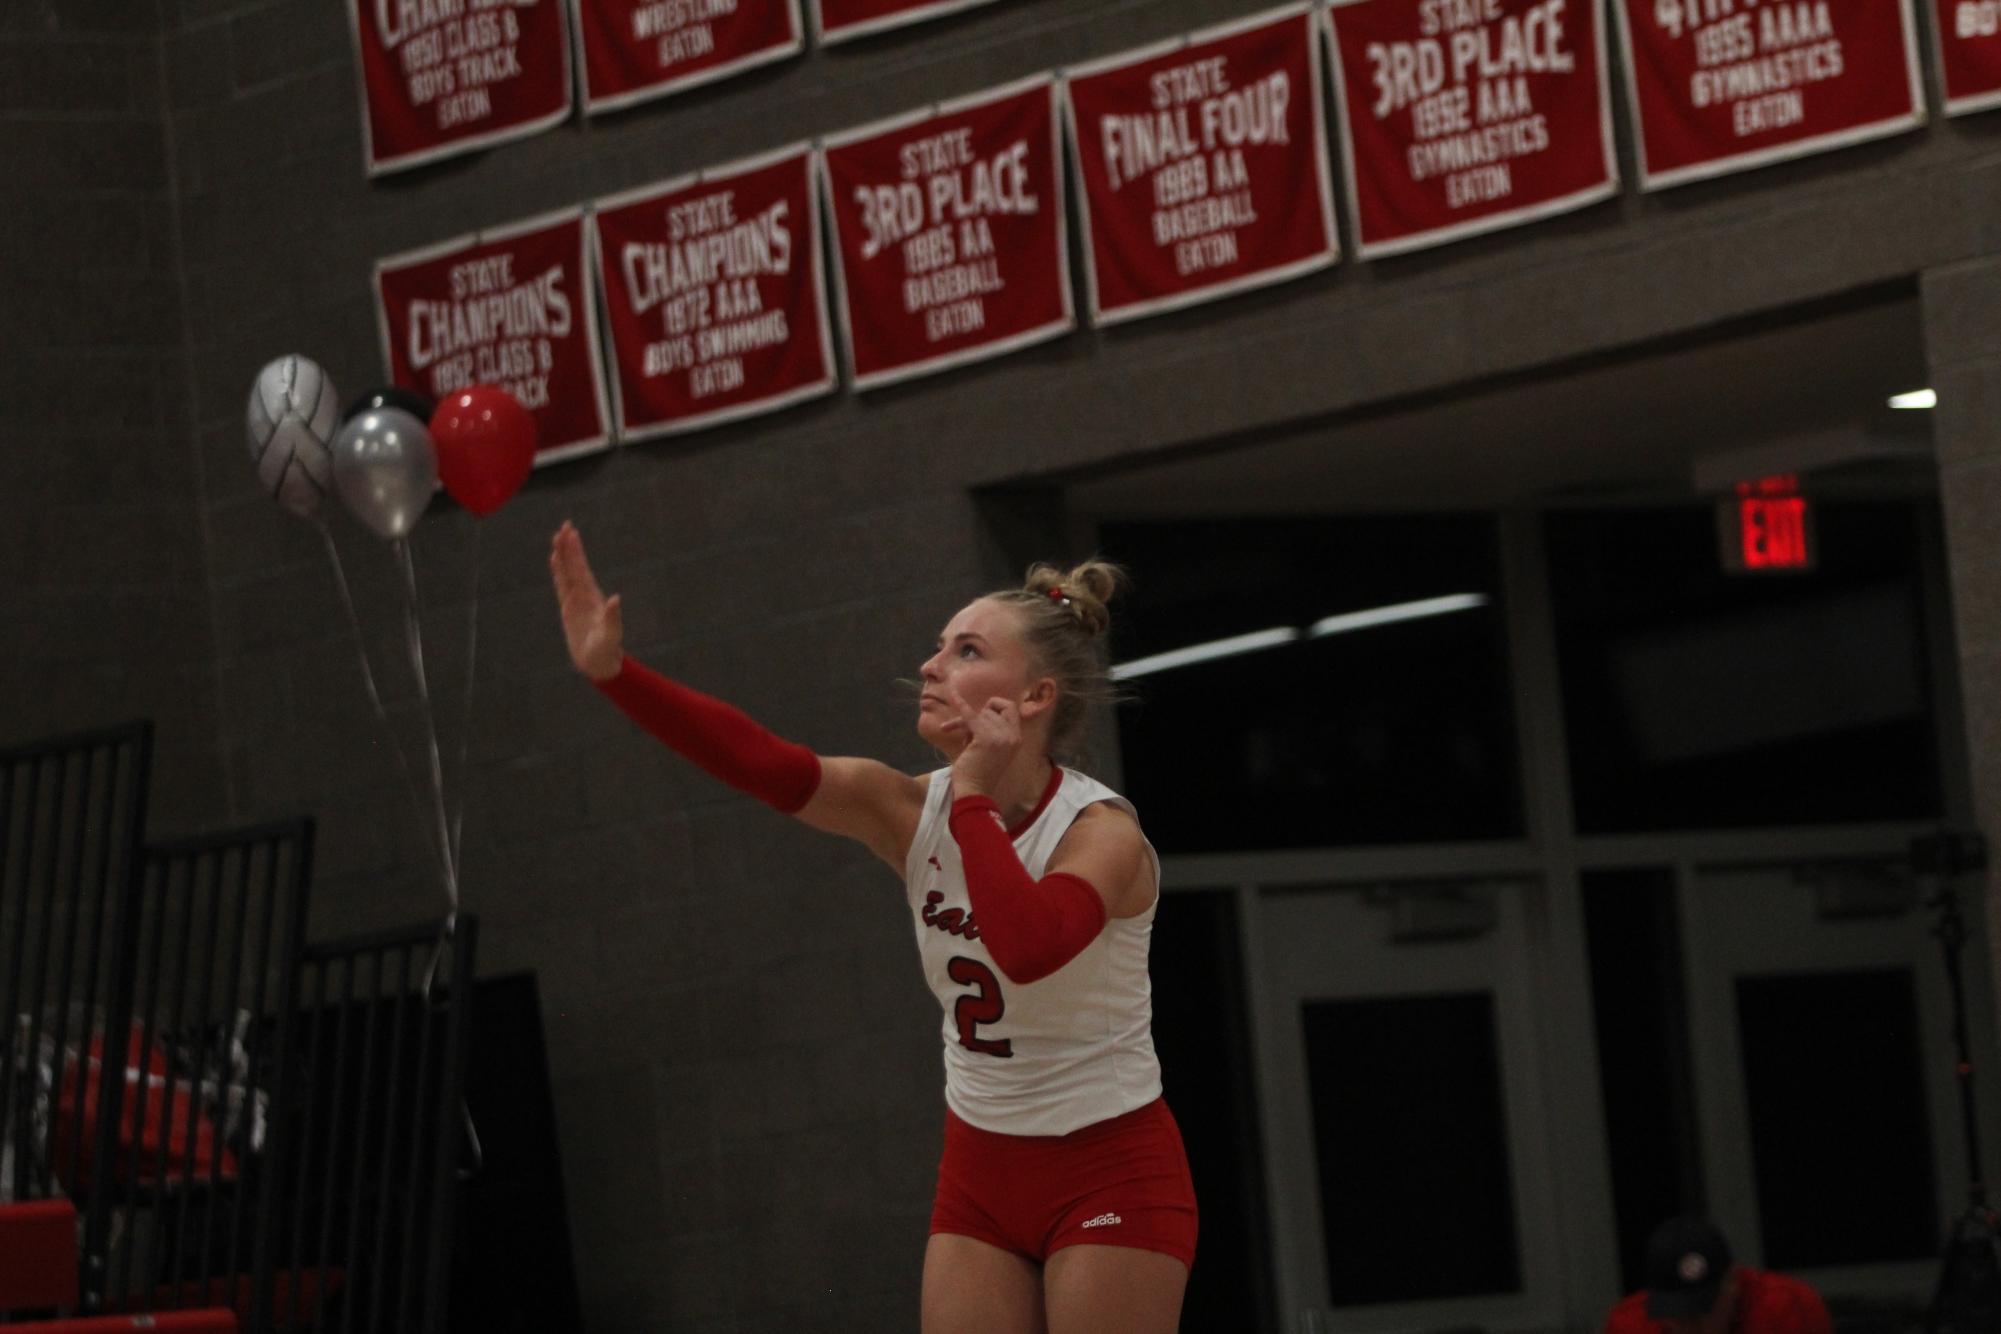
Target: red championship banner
<point x="1466" y="116"/>
<point x="510" y="307"/>
<point x="1202" y="164"/>
<point x="839" y="20"/>
<point x="440" y="77"/>
<point x="713" y="294"/>
<point x="635" y="50"/>
<point x="1718" y="86"/>
<point x="948" y="233"/>
<point x="1969" y="53"/>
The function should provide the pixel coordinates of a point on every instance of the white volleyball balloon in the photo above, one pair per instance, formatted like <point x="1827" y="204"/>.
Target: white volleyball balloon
<point x="293" y="413"/>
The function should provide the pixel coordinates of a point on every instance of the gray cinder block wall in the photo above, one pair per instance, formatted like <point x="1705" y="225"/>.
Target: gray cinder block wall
<point x="1962" y="312"/>
<point x="744" y="1058"/>
<point x="104" y="610"/>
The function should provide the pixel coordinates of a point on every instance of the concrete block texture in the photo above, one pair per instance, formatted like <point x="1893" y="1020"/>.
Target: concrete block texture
<point x="103" y="573"/>
<point x="56" y="19"/>
<point x="1963" y="313"/>
<point x="1967" y="424"/>
<point x="122" y="157"/>
<point x="45" y="77"/>
<point x="733" y="1005"/>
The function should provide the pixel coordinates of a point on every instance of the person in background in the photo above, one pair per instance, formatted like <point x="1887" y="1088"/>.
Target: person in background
<point x="1695" y="1287"/>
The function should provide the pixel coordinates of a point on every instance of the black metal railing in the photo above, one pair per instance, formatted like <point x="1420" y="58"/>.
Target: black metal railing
<point x="241" y="1119"/>
<point x="71" y="814"/>
<point x="378" y="1115"/>
<point x="215" y="928"/>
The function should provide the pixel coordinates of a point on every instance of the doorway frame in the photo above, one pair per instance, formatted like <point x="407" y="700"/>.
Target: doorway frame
<point x="1554" y="856"/>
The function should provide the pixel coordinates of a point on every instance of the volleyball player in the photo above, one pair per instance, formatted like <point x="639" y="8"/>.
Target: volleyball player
<point x="1064" y="1201"/>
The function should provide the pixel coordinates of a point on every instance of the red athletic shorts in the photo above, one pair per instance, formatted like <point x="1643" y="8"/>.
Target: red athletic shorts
<point x="1122" y="1182"/>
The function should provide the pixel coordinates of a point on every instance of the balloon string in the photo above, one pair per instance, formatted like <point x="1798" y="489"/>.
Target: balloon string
<point x="368" y="679"/>
<point x="353" y="622"/>
<point x="465" y="719"/>
<point x="413" y="630"/>
<point x="447" y="929"/>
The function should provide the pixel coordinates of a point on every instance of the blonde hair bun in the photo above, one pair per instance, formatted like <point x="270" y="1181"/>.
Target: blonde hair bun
<point x="1064" y="617"/>
<point x="1086" y="588"/>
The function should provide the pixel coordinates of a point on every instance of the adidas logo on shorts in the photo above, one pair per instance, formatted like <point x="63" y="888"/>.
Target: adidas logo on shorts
<point x="1102" y="1220"/>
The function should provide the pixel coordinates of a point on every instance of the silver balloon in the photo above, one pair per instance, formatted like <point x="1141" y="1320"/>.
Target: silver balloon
<point x="385" y="469"/>
<point x="290" y="419"/>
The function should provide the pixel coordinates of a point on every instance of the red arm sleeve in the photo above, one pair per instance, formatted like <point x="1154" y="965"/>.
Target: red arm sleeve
<point x="1811" y="1315"/>
<point x="718" y="737"/>
<point x="1031" y="927"/>
<point x="1630" y="1316"/>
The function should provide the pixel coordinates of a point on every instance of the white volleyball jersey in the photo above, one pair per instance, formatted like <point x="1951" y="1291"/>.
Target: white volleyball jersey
<point x="1037" y="1058"/>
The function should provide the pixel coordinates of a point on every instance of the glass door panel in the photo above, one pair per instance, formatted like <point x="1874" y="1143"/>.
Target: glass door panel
<point x="1821" y="1032"/>
<point x="1405" y="1109"/>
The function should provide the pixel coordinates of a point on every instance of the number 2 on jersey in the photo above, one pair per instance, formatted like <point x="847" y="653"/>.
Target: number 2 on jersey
<point x="984" y="1006"/>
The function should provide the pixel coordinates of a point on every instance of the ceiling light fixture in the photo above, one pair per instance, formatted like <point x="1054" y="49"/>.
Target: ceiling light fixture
<point x="1401" y="611"/>
<point x="1215" y="648"/>
<point x="1286" y="634"/>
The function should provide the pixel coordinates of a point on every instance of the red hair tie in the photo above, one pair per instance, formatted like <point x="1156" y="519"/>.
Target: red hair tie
<point x="1056" y="594"/>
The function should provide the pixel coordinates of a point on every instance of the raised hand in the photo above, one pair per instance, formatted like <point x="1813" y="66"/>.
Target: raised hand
<point x="993" y="731"/>
<point x="593" y="624"/>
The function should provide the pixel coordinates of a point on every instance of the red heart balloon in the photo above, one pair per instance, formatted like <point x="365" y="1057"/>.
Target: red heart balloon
<point x="486" y="446"/>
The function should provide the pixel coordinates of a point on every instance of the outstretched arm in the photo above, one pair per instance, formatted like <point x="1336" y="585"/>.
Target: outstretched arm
<point x="860" y="799"/>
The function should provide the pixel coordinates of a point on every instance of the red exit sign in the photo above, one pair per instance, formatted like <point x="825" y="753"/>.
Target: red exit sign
<point x="1767" y="527"/>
